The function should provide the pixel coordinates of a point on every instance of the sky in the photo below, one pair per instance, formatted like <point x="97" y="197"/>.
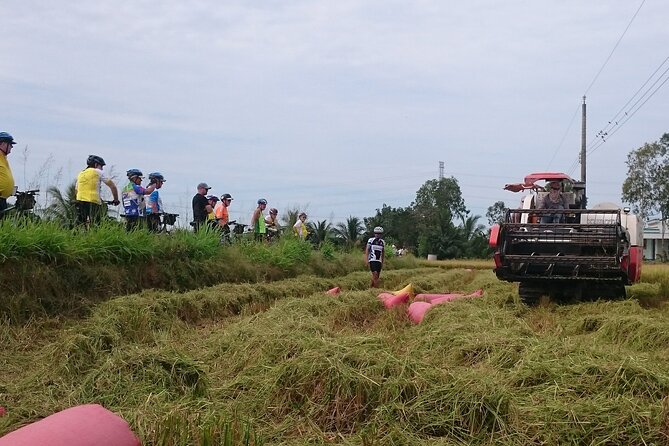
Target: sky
<point x="333" y="107"/>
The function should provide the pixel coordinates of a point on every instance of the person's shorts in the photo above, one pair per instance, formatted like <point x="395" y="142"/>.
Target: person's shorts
<point x="375" y="267"/>
<point x="88" y="212"/>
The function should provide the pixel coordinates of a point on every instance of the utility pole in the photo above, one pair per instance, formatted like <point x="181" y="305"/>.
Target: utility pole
<point x="441" y="170"/>
<point x="583" y="142"/>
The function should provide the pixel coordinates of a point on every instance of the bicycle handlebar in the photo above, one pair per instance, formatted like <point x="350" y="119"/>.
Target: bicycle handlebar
<point x="26" y="192"/>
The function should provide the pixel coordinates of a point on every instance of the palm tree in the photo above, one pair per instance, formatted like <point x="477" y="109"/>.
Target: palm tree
<point x="320" y="232"/>
<point x="290" y="217"/>
<point x="62" y="207"/>
<point x="349" y="233"/>
<point x="472" y="235"/>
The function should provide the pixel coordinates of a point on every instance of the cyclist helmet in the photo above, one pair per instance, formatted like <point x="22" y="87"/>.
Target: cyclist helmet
<point x="213" y="198"/>
<point x="132" y="173"/>
<point x="378" y="230"/>
<point x="226" y="197"/>
<point x="6" y="137"/>
<point x="273" y="211"/>
<point x="262" y="201"/>
<point x="94" y="159"/>
<point x="156" y="176"/>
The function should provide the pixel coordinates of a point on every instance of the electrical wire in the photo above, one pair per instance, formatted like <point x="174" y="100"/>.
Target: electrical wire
<point x="632" y="110"/>
<point x="614" y="49"/>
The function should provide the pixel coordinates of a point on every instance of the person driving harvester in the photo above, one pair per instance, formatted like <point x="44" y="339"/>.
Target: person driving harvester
<point x="555" y="199"/>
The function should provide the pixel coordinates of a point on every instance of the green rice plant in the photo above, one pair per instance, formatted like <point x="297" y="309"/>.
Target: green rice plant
<point x="182" y="429"/>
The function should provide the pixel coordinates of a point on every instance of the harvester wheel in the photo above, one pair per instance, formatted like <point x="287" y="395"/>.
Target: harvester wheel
<point x="530" y="294"/>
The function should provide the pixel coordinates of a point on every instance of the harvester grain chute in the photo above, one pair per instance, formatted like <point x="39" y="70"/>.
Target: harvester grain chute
<point x="566" y="254"/>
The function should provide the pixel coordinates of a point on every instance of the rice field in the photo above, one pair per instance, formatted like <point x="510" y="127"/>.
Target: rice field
<point x="279" y="362"/>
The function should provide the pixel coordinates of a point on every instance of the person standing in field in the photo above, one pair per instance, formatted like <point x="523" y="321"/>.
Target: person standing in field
<point x="258" y="221"/>
<point x="272" y="224"/>
<point x="154" y="205"/>
<point x="89" y="181"/>
<point x="201" y="207"/>
<point x="211" y="216"/>
<point x="221" y="211"/>
<point x="6" y="176"/>
<point x="132" y="197"/>
<point x="300" y="226"/>
<point x="375" y="255"/>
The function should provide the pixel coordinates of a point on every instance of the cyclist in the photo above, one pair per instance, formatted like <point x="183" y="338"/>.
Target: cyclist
<point x="300" y="226"/>
<point x="201" y="207"/>
<point x="221" y="212"/>
<point x="132" y="197"/>
<point x="375" y="255"/>
<point x="89" y="180"/>
<point x="154" y="206"/>
<point x="6" y="176"/>
<point x="211" y="215"/>
<point x="272" y="223"/>
<point x="258" y="221"/>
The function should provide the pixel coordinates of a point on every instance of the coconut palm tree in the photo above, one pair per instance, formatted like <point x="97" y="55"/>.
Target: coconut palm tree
<point x="62" y="207"/>
<point x="349" y="233"/>
<point x="320" y="232"/>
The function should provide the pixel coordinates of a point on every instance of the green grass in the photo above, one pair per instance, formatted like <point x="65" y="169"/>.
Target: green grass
<point x="282" y="363"/>
<point x="46" y="270"/>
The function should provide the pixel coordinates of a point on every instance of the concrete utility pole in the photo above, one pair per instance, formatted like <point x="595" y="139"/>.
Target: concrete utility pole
<point x="441" y="170"/>
<point x="583" y="143"/>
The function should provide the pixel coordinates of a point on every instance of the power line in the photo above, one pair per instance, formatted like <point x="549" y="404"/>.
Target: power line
<point x="557" y="149"/>
<point x="603" y="137"/>
<point x="614" y="49"/>
<point x="614" y="121"/>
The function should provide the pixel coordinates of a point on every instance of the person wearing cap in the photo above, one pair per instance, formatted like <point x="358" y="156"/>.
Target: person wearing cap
<point x="555" y="199"/>
<point x="375" y="255"/>
<point x="300" y="226"/>
<point x="221" y="211"/>
<point x="201" y="206"/>
<point x="6" y="176"/>
<point x="89" y="181"/>
<point x="258" y="221"/>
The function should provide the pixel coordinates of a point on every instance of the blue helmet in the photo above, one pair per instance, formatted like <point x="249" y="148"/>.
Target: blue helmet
<point x="6" y="137"/>
<point x="93" y="160"/>
<point x="134" y="173"/>
<point x="262" y="201"/>
<point x="156" y="176"/>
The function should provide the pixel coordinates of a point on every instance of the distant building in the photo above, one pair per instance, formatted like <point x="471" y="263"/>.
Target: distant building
<point x="655" y="240"/>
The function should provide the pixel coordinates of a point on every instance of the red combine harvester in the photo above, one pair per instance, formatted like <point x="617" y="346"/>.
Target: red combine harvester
<point x="582" y="254"/>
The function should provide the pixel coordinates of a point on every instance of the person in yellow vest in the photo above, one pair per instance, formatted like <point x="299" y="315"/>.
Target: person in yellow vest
<point x="300" y="226"/>
<point x="6" y="176"/>
<point x="89" y="181"/>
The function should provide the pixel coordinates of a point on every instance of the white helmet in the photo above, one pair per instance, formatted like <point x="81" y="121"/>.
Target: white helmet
<point x="378" y="230"/>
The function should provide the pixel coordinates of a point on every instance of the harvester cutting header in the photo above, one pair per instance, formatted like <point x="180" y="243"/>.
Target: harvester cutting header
<point x="553" y="246"/>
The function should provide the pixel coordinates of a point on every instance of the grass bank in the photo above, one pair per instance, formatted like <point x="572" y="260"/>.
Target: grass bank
<point x="46" y="270"/>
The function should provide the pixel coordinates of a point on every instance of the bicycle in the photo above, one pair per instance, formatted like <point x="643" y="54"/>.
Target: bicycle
<point x="229" y="235"/>
<point x="166" y="219"/>
<point x="23" y="207"/>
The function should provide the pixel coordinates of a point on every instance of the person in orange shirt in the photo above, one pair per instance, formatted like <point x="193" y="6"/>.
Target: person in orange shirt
<point x="222" y="212"/>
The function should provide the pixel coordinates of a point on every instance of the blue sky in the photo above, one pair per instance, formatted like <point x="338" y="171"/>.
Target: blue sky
<point x="333" y="107"/>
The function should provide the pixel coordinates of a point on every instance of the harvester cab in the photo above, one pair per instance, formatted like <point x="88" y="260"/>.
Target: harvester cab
<point x="563" y="250"/>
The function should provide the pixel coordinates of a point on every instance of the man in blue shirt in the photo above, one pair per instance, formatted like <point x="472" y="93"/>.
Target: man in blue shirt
<point x="132" y="197"/>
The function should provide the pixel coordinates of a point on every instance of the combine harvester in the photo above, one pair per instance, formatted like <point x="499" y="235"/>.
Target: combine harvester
<point x="588" y="254"/>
